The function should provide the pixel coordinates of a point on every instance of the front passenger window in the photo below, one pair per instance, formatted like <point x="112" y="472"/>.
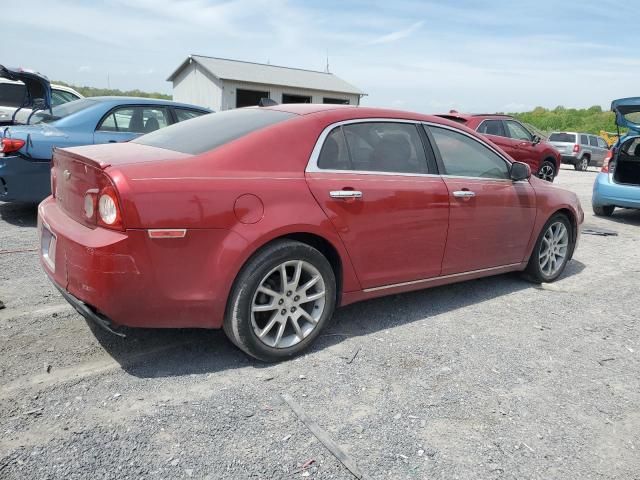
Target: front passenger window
<point x="517" y="131"/>
<point x="463" y="156"/>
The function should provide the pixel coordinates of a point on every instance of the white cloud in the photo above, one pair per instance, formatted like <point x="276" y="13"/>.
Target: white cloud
<point x="397" y="35"/>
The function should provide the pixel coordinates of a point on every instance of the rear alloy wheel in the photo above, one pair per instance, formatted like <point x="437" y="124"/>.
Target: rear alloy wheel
<point x="603" y="210"/>
<point x="584" y="164"/>
<point x="547" y="171"/>
<point x="283" y="298"/>
<point x="552" y="250"/>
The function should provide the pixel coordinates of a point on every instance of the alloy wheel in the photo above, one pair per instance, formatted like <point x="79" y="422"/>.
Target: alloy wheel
<point x="553" y="249"/>
<point x="546" y="173"/>
<point x="584" y="164"/>
<point x="288" y="304"/>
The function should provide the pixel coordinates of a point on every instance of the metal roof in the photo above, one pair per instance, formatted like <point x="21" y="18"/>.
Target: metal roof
<point x="261" y="73"/>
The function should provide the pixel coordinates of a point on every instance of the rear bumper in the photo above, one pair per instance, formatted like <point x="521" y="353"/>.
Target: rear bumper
<point x="23" y="180"/>
<point x="129" y="279"/>
<point x="606" y="192"/>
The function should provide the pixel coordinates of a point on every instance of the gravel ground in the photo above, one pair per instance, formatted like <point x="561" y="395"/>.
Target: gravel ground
<point x="492" y="379"/>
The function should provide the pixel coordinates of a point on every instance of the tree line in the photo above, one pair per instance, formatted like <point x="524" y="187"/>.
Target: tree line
<point x="589" y="120"/>
<point x="102" y="92"/>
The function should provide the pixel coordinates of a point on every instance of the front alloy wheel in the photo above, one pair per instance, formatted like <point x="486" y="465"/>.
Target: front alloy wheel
<point x="552" y="251"/>
<point x="547" y="171"/>
<point x="282" y="299"/>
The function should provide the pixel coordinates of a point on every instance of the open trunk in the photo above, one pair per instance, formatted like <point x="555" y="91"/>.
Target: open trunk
<point x="22" y="89"/>
<point x="627" y="162"/>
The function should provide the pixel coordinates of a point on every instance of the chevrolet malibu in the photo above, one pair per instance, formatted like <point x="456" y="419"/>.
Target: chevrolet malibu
<point x="263" y="220"/>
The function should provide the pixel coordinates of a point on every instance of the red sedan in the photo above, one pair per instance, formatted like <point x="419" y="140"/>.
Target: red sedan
<point x="262" y="220"/>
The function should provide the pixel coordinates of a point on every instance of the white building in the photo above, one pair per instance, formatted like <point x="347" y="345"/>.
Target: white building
<point x="221" y="84"/>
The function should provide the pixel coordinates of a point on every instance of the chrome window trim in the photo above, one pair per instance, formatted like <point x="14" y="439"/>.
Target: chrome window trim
<point x="312" y="164"/>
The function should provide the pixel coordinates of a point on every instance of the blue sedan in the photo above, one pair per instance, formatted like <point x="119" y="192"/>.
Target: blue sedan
<point x="618" y="184"/>
<point x="26" y="150"/>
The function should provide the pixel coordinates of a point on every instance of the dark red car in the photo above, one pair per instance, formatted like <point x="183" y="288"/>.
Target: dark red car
<point x="515" y="139"/>
<point x="263" y="220"/>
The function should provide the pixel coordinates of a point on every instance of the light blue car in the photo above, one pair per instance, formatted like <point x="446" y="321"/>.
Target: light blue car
<point x="26" y="150"/>
<point x="618" y="184"/>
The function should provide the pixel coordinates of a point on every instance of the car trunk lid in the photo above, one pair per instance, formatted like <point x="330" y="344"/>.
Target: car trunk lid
<point x="627" y="112"/>
<point x="79" y="170"/>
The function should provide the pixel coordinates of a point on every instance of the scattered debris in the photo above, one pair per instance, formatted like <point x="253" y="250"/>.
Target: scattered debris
<point x="2" y="305"/>
<point x="35" y="411"/>
<point x="47" y="367"/>
<point x="286" y="437"/>
<point x="420" y="452"/>
<point x="353" y="357"/>
<point x="324" y="437"/>
<point x="359" y="429"/>
<point x="302" y="377"/>
<point x="117" y="395"/>
<point x="397" y="416"/>
<point x="603" y="232"/>
<point x="601" y="362"/>
<point x="542" y="327"/>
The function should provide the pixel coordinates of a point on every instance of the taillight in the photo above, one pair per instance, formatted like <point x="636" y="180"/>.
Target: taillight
<point x="101" y="207"/>
<point x="10" y="145"/>
<point x="607" y="162"/>
<point x="576" y="148"/>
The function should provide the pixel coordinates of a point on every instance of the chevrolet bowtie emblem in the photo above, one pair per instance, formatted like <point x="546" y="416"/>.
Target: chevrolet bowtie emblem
<point x="67" y="174"/>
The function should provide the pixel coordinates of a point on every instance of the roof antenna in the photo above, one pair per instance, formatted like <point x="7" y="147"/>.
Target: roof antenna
<point x="326" y="69"/>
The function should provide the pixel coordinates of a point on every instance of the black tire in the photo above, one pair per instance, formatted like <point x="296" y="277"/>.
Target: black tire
<point x="547" y="171"/>
<point x="534" y="272"/>
<point x="603" y="210"/>
<point x="238" y="323"/>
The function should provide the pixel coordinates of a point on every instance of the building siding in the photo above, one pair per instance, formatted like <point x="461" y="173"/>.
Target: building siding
<point x="196" y="85"/>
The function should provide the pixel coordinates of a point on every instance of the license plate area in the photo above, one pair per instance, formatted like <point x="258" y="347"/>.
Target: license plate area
<point x="48" y="243"/>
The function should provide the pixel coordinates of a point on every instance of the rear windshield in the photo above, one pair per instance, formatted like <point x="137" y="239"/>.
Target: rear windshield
<point x="12" y="94"/>
<point x="207" y="132"/>
<point x="61" y="111"/>
<point x="562" y="137"/>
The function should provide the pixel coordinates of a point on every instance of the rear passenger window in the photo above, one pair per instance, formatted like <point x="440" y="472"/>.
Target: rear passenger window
<point x="463" y="156"/>
<point x="334" y="154"/>
<point x="584" y="140"/>
<point x="593" y="141"/>
<point x="492" y="127"/>
<point x="135" y="120"/>
<point x="374" y="147"/>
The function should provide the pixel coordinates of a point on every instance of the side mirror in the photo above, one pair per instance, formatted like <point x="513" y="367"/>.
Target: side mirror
<point x="520" y="171"/>
<point x="536" y="140"/>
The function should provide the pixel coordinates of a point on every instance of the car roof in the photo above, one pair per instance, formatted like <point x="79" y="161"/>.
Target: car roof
<point x="144" y="101"/>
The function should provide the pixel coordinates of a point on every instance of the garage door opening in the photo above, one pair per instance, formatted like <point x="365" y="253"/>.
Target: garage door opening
<point x="249" y="98"/>
<point x="289" y="98"/>
<point x="336" y="101"/>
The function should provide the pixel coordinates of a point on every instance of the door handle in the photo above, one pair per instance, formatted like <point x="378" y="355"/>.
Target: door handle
<point x="464" y="194"/>
<point x="345" y="194"/>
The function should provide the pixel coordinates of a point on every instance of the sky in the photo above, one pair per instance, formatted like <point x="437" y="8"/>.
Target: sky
<point x="425" y="56"/>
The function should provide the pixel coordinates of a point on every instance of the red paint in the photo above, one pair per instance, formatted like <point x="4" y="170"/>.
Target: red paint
<point x="239" y="197"/>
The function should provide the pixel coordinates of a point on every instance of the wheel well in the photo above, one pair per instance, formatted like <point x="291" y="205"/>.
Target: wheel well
<point x="574" y="225"/>
<point x="327" y="249"/>
<point x="552" y="161"/>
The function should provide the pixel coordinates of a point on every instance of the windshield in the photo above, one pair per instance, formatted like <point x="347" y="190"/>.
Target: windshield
<point x="562" y="137"/>
<point x="207" y="132"/>
<point x="61" y="111"/>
